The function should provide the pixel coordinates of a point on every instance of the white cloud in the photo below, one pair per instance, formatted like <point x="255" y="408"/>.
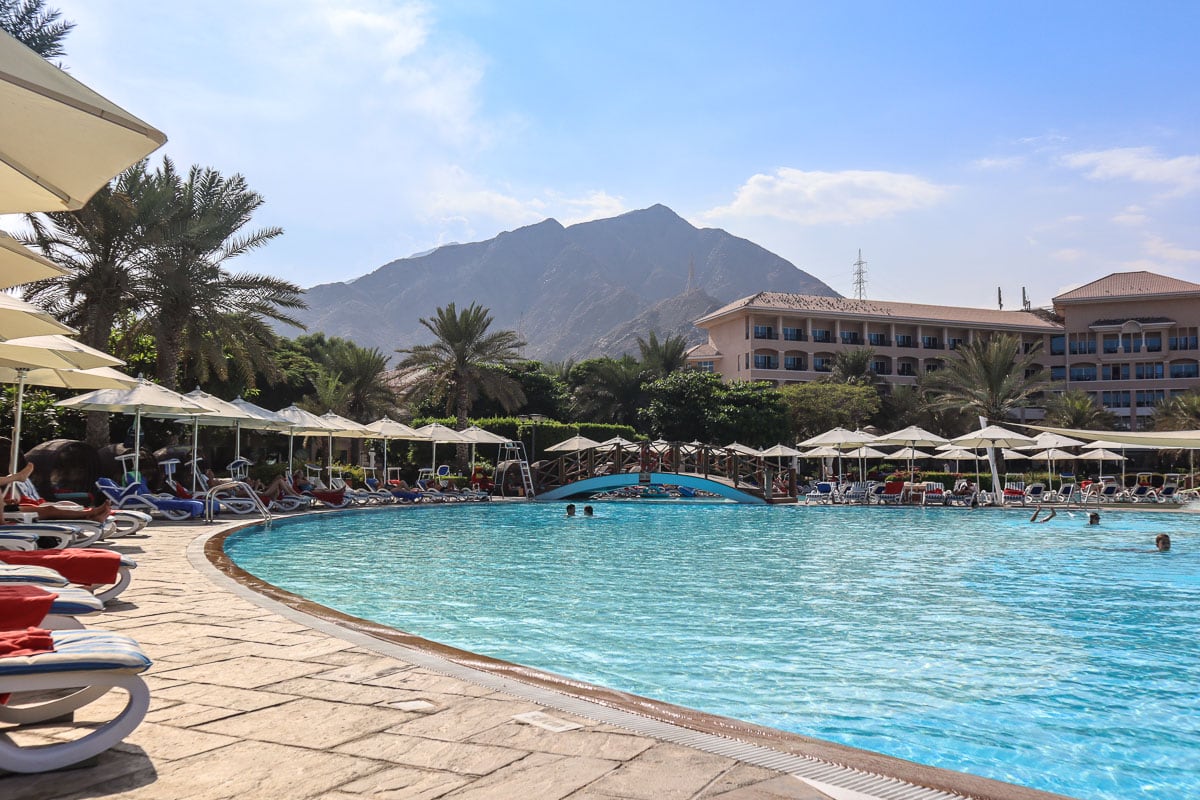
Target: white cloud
<point x="1068" y="254"/>
<point x="1160" y="248"/>
<point x="819" y="198"/>
<point x="1131" y="215"/>
<point x="998" y="163"/>
<point x="1140" y="165"/>
<point x="594" y="205"/>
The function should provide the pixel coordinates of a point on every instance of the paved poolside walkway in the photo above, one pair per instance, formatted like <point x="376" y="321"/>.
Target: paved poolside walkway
<point x="250" y="704"/>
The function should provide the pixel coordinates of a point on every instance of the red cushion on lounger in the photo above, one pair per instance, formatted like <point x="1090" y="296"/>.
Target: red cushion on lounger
<point x="83" y="566"/>
<point x="28" y="642"/>
<point x="333" y="498"/>
<point x="23" y="606"/>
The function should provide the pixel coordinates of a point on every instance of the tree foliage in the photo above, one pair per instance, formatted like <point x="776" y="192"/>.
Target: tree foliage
<point x="1076" y="408"/>
<point x="990" y="377"/>
<point x="40" y="29"/>
<point x="661" y="358"/>
<point x="607" y="390"/>
<point x="814" y="408"/>
<point x="690" y="405"/>
<point x="1178" y="413"/>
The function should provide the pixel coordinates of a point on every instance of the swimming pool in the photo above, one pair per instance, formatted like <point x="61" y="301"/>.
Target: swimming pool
<point x="1059" y="656"/>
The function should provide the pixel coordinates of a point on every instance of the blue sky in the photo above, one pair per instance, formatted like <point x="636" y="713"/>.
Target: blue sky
<point x="961" y="146"/>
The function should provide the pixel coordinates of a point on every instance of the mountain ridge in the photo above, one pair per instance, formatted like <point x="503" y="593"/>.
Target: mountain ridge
<point x="574" y="291"/>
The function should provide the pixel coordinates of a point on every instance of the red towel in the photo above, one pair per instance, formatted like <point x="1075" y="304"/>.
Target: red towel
<point x="332" y="498"/>
<point x="22" y="606"/>
<point x="28" y="642"/>
<point x="83" y="565"/>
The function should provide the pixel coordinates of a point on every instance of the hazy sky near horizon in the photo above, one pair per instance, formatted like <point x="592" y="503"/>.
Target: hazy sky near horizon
<point x="961" y="146"/>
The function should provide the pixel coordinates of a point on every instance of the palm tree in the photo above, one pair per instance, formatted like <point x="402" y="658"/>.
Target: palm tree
<point x="990" y="377"/>
<point x="362" y="373"/>
<point x="1179" y="413"/>
<point x="854" y="366"/>
<point x="35" y="26"/>
<point x="463" y="363"/>
<point x="660" y="359"/>
<point x="608" y="389"/>
<point x="1076" y="408"/>
<point x="193" y="305"/>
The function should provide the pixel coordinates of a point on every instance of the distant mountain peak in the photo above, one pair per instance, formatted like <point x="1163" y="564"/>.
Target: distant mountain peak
<point x="576" y="291"/>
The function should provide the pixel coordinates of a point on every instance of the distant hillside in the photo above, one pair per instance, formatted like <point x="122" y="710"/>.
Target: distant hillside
<point x="575" y="292"/>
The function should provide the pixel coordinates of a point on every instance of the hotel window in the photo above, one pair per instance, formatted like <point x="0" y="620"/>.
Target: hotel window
<point x="1153" y="342"/>
<point x="1150" y="397"/>
<point x="881" y="368"/>
<point x="850" y="337"/>
<point x="793" y="362"/>
<point x="1111" y="344"/>
<point x="933" y="366"/>
<point x="793" y="334"/>
<point x="905" y="369"/>
<point x="766" y="361"/>
<point x="1114" y="372"/>
<point x="1148" y="372"/>
<point x="956" y="342"/>
<point x="904" y="340"/>
<point x="1115" y="399"/>
<point x="1083" y="347"/>
<point x="877" y="339"/>
<point x="1058" y="373"/>
<point x="1131" y="342"/>
<point x="764" y="332"/>
<point x="706" y="366"/>
<point x="1185" y="370"/>
<point x="1057" y="345"/>
<point x="822" y="364"/>
<point x="1084" y="373"/>
<point x="1185" y="339"/>
<point x="931" y="343"/>
<point x="822" y="336"/>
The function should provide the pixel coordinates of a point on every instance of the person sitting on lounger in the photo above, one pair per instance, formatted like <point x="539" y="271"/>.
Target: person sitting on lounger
<point x="54" y="511"/>
<point x="278" y="489"/>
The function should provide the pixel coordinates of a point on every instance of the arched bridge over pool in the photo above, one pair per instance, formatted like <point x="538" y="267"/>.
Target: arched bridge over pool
<point x="604" y="483"/>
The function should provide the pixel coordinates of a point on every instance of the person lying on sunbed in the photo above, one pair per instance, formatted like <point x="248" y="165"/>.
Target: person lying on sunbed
<point x="64" y="510"/>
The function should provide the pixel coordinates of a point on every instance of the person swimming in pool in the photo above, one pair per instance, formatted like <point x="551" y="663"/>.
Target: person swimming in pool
<point x="1053" y="513"/>
<point x="588" y="511"/>
<point x="1162" y="543"/>
<point x="570" y="509"/>
<point x="1094" y="518"/>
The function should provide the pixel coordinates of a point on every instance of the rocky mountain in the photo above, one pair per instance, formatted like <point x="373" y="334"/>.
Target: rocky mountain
<point x="572" y="292"/>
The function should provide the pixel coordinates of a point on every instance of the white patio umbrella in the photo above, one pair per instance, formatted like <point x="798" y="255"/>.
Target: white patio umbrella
<point x="477" y="435"/>
<point x="343" y="428"/>
<point x="618" y="441"/>
<point x="958" y="454"/>
<point x="437" y="432"/>
<point x="991" y="436"/>
<point x="742" y="449"/>
<point x="780" y="451"/>
<point x="141" y="398"/>
<point x="19" y="319"/>
<point x="572" y="445"/>
<point x="1014" y="455"/>
<point x="300" y="423"/>
<point x="387" y="429"/>
<point x="824" y="451"/>
<point x="1049" y="439"/>
<point x="840" y="438"/>
<point x="912" y="437"/>
<point x="1052" y="455"/>
<point x="59" y="141"/>
<point x="80" y="380"/>
<point x="19" y="264"/>
<point x="911" y="454"/>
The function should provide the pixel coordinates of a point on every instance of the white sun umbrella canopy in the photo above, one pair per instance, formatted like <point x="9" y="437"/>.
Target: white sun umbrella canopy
<point x="573" y="445"/>
<point x="19" y="264"/>
<point x="143" y="397"/>
<point x="742" y="449"/>
<point x="59" y="140"/>
<point x="19" y="319"/>
<point x="300" y="423"/>
<point x="387" y="429"/>
<point x="912" y="437"/>
<point x="477" y="435"/>
<point x="1048" y="440"/>
<point x="77" y="379"/>
<point x="993" y="436"/>
<point x="436" y="432"/>
<point x="780" y="451"/>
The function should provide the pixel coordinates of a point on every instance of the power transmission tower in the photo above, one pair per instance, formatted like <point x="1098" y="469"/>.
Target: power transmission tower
<point x="860" y="277"/>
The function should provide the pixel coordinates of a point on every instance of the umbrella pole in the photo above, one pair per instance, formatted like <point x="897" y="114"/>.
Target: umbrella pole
<point x="237" y="439"/>
<point x="195" y="449"/>
<point x="137" y="443"/>
<point x="385" y="472"/>
<point x="16" y="439"/>
<point x="291" y="442"/>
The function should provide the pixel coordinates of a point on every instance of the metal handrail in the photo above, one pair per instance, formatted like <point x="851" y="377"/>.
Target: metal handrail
<point x="211" y="500"/>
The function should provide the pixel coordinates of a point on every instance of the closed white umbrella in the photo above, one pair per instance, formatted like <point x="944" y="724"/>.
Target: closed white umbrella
<point x="143" y="397"/>
<point x="59" y="141"/>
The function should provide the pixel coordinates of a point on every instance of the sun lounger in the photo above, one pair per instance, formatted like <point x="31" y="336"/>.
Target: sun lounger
<point x="935" y="494"/>
<point x="102" y="572"/>
<point x="138" y="497"/>
<point x="91" y="663"/>
<point x="821" y="493"/>
<point x="893" y="493"/>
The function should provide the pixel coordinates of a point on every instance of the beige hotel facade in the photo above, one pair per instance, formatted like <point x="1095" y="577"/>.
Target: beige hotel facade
<point x="1130" y="339"/>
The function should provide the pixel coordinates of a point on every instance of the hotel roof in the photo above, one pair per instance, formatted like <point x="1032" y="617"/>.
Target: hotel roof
<point x="1129" y="284"/>
<point x="918" y="312"/>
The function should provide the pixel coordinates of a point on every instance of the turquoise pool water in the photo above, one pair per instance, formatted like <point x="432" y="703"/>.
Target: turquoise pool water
<point x="1059" y="656"/>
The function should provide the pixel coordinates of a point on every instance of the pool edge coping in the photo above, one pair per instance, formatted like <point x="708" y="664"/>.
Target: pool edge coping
<point x="839" y="770"/>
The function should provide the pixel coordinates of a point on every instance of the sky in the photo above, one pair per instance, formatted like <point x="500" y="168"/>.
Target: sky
<point x="962" y="147"/>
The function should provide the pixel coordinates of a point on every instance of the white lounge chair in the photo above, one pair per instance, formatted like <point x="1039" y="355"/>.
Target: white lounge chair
<point x="91" y="663"/>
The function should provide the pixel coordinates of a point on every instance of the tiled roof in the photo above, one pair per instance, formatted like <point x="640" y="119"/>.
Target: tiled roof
<point x="780" y="301"/>
<point x="704" y="350"/>
<point x="1129" y="284"/>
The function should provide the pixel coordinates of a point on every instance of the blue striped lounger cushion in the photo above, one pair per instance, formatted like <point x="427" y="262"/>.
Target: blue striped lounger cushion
<point x="81" y="651"/>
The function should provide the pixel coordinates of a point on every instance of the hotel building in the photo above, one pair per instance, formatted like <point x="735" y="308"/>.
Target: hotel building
<point x="1130" y="338"/>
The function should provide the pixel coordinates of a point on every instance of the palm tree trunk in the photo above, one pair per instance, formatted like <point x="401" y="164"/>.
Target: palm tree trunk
<point x="97" y="428"/>
<point x="464" y="407"/>
<point x="170" y="342"/>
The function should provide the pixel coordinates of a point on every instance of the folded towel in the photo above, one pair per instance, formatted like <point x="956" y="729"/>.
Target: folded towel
<point x="83" y="565"/>
<point x="28" y="642"/>
<point x="23" y="605"/>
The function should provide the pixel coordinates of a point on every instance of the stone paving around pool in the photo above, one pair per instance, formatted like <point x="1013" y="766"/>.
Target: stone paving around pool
<point x="249" y="704"/>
